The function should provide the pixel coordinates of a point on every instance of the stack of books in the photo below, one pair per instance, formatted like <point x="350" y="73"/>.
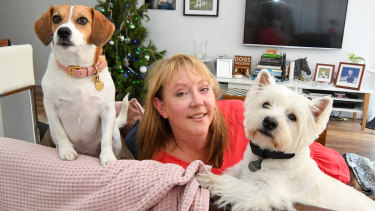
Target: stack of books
<point x="274" y="63"/>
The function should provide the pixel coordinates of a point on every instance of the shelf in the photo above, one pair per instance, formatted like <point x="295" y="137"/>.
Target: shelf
<point x="357" y="109"/>
<point x="347" y="99"/>
<point x="361" y="104"/>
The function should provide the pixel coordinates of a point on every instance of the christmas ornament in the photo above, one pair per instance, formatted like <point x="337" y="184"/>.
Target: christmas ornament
<point x="143" y="69"/>
<point x="126" y="61"/>
<point x="122" y="25"/>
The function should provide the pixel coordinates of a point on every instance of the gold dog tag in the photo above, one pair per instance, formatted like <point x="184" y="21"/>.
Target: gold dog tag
<point x="98" y="84"/>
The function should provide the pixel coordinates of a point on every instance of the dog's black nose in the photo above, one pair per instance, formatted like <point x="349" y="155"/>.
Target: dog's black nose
<point x="269" y="123"/>
<point x="64" y="32"/>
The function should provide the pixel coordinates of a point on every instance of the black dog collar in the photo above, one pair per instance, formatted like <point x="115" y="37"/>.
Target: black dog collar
<point x="265" y="153"/>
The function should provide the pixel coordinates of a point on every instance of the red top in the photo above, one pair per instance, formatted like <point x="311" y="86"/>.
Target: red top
<point x="328" y="160"/>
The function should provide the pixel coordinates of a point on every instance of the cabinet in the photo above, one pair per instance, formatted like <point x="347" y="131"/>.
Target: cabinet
<point x="237" y="88"/>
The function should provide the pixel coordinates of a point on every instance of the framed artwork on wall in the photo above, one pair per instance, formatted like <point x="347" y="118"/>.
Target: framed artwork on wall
<point x="324" y="73"/>
<point x="349" y="75"/>
<point x="201" y="7"/>
<point x="161" y="4"/>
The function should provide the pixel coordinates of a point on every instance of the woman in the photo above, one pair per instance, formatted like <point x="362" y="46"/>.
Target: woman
<point x="186" y="123"/>
<point x="183" y="122"/>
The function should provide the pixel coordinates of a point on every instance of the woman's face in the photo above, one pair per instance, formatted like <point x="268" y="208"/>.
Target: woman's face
<point x="188" y="103"/>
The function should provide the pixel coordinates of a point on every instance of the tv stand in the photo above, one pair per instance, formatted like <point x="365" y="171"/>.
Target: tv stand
<point x="237" y="89"/>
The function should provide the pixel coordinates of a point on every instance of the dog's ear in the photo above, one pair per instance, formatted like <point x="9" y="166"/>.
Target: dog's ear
<point x="321" y="109"/>
<point x="102" y="29"/>
<point x="264" y="78"/>
<point x="43" y="27"/>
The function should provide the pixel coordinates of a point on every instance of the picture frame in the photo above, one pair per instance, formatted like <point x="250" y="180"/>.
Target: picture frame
<point x="349" y="75"/>
<point x="201" y="7"/>
<point x="224" y="68"/>
<point x="161" y="4"/>
<point x="324" y="73"/>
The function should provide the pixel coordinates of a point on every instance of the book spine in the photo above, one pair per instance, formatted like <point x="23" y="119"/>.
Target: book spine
<point x="291" y="71"/>
<point x="270" y="59"/>
<point x="268" y="67"/>
<point x="271" y="71"/>
<point x="272" y="55"/>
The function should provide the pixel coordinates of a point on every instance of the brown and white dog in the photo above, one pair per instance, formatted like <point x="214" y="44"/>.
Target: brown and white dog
<point x="79" y="93"/>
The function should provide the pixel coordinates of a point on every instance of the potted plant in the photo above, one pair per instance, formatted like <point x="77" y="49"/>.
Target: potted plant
<point x="356" y="59"/>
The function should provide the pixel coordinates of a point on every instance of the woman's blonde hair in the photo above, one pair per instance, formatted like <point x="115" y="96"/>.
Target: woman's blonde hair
<point x="154" y="131"/>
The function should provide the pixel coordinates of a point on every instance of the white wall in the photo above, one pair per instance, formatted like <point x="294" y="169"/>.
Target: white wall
<point x="172" y="31"/>
<point x="17" y="118"/>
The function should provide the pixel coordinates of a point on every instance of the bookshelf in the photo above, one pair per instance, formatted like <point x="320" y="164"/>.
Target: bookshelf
<point x="237" y="88"/>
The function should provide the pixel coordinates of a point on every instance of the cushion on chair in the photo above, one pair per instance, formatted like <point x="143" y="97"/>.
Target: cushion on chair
<point x="16" y="67"/>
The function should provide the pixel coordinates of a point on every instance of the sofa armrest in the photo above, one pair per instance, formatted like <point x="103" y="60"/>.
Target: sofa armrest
<point x="33" y="176"/>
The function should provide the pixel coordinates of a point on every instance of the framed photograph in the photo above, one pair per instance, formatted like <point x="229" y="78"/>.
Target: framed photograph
<point x="161" y="4"/>
<point x="201" y="7"/>
<point x="224" y="68"/>
<point x="324" y="73"/>
<point x="349" y="75"/>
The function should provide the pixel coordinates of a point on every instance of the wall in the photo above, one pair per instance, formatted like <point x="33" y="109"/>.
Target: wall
<point x="17" y="118"/>
<point x="172" y="31"/>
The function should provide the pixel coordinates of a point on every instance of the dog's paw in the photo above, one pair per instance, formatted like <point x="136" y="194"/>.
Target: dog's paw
<point x="107" y="157"/>
<point x="67" y="153"/>
<point x="206" y="179"/>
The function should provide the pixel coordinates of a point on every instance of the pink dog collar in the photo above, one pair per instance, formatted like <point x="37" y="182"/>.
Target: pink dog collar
<point x="80" y="72"/>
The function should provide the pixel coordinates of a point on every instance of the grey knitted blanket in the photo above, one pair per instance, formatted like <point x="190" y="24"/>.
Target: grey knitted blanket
<point x="364" y="171"/>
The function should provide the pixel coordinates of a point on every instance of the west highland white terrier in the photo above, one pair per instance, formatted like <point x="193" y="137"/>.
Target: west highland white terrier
<point x="277" y="170"/>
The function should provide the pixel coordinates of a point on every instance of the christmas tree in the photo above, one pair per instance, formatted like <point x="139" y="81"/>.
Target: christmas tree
<point x="128" y="54"/>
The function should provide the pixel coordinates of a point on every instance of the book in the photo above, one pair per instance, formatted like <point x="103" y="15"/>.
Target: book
<point x="242" y="65"/>
<point x="272" y="55"/>
<point x="274" y="73"/>
<point x="268" y="67"/>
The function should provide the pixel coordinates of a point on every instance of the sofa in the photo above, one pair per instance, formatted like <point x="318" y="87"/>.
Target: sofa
<point x="33" y="177"/>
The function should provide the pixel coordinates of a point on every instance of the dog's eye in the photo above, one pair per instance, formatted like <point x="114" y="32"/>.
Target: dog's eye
<point x="292" y="117"/>
<point x="56" y="19"/>
<point x="82" y="20"/>
<point x="266" y="105"/>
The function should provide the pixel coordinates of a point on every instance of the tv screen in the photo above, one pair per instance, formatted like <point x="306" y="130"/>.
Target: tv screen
<point x="296" y="23"/>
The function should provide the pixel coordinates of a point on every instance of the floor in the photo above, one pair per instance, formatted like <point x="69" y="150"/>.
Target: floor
<point x="347" y="136"/>
<point x="343" y="136"/>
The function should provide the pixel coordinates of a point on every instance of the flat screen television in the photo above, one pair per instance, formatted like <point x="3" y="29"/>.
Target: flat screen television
<point x="295" y="23"/>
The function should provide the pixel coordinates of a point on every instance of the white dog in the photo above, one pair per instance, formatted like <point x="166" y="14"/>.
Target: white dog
<point x="198" y="4"/>
<point x="276" y="170"/>
<point x="79" y="93"/>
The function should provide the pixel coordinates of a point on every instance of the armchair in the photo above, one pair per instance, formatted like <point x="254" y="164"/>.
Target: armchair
<point x="17" y="76"/>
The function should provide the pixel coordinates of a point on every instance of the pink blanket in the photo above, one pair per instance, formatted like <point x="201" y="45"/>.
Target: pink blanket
<point x="32" y="177"/>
